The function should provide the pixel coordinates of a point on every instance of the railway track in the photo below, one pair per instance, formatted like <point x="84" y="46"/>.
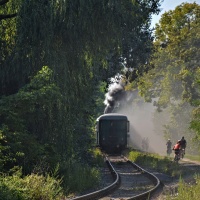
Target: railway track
<point x="130" y="181"/>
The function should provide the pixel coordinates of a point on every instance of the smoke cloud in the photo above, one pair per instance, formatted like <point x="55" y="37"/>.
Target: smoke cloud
<point x="116" y="97"/>
<point x="147" y="125"/>
<point x="140" y="115"/>
<point x="115" y="94"/>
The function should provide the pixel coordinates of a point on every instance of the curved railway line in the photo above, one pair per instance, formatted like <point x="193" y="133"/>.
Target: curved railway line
<point x="130" y="181"/>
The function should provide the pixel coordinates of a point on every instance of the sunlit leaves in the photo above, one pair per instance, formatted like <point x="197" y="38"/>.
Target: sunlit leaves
<point x="176" y="56"/>
<point x="195" y="123"/>
<point x="174" y="79"/>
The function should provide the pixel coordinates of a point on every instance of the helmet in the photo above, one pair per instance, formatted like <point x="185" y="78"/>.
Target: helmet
<point x="178" y="141"/>
<point x="168" y="139"/>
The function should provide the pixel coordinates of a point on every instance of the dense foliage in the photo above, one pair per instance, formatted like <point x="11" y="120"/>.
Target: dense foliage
<point x="173" y="81"/>
<point x="55" y="59"/>
<point x="33" y="186"/>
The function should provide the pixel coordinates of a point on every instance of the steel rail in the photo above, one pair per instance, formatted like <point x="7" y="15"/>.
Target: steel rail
<point x="151" y="176"/>
<point x="99" y="193"/>
<point x="107" y="190"/>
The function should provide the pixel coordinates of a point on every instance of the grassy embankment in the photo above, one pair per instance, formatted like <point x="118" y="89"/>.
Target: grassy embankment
<point x="49" y="187"/>
<point x="15" y="186"/>
<point x="186" y="191"/>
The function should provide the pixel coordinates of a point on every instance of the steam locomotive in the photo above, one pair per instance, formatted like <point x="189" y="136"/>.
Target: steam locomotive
<point x="112" y="132"/>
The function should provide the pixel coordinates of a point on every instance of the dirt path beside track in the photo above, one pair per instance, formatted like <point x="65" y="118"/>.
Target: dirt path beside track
<point x="170" y="184"/>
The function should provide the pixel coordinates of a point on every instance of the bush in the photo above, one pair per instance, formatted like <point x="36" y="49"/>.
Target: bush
<point x="34" y="187"/>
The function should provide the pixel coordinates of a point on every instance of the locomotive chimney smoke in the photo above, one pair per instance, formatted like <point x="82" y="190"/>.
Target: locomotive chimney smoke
<point x="115" y="94"/>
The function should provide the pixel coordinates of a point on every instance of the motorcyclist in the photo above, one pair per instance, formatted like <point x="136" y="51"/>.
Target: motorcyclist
<point x="169" y="147"/>
<point x="177" y="148"/>
<point x="183" y="145"/>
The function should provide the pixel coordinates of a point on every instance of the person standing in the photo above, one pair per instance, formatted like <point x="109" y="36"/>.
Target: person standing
<point x="169" y="147"/>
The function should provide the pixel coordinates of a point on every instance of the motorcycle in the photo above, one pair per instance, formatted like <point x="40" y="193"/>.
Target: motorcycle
<point x="177" y="156"/>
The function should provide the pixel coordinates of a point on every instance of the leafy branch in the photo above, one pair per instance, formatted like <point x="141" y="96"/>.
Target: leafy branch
<point x="6" y="16"/>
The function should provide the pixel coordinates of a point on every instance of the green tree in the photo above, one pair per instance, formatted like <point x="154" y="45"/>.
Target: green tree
<point x="8" y="10"/>
<point x="5" y="15"/>
<point x="175" y="64"/>
<point x="24" y="139"/>
<point x="195" y="123"/>
<point x="83" y="43"/>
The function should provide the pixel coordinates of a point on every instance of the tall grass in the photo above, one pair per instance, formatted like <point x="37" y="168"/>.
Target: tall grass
<point x="187" y="191"/>
<point x="160" y="163"/>
<point x="81" y="177"/>
<point x="34" y="187"/>
<point x="78" y="178"/>
<point x="193" y="157"/>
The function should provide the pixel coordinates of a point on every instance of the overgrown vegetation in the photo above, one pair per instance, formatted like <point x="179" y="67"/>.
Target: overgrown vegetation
<point x="186" y="190"/>
<point x="33" y="186"/>
<point x="157" y="162"/>
<point x="55" y="61"/>
<point x="173" y="81"/>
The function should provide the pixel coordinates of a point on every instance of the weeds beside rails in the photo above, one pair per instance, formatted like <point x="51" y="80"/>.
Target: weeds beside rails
<point x="186" y="191"/>
<point x="33" y="186"/>
<point x="157" y="162"/>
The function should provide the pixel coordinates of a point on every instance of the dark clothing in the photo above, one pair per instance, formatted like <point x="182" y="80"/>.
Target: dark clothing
<point x="169" y="145"/>
<point x="183" y="143"/>
<point x="183" y="146"/>
<point x="176" y="151"/>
